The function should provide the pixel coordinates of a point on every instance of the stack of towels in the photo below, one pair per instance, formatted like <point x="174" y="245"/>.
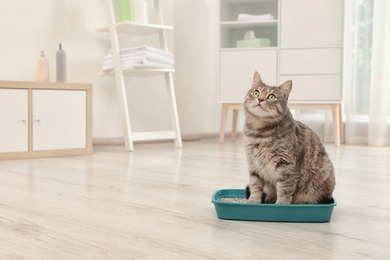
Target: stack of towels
<point x="251" y="17"/>
<point x="140" y="57"/>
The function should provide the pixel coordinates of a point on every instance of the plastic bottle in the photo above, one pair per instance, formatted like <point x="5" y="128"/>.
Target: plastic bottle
<point x="140" y="11"/>
<point x="61" y="64"/>
<point x="125" y="10"/>
<point x="42" y="70"/>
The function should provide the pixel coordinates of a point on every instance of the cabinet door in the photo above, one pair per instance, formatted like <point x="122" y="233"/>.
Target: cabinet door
<point x="314" y="88"/>
<point x="59" y="119"/>
<point x="237" y="68"/>
<point x="310" y="61"/>
<point x="14" y="120"/>
<point x="311" y="23"/>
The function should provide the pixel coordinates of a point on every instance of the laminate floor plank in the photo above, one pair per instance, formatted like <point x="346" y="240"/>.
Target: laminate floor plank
<point x="155" y="203"/>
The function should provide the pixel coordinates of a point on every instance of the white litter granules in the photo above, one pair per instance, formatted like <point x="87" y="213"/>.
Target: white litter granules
<point x="236" y="200"/>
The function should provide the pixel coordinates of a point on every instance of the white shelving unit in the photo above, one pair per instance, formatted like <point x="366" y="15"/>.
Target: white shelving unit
<point x="231" y="29"/>
<point x="249" y="24"/>
<point x="131" y="28"/>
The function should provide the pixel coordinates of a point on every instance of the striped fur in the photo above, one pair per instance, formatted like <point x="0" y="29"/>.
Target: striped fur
<point x="287" y="161"/>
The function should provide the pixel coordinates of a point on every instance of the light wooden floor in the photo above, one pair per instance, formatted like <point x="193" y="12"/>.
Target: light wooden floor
<point x="155" y="203"/>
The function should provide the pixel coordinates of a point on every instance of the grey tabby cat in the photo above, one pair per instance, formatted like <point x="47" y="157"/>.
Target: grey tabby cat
<point x="287" y="162"/>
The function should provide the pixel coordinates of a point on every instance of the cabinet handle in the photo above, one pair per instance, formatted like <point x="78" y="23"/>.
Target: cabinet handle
<point x="23" y="121"/>
<point x="37" y="121"/>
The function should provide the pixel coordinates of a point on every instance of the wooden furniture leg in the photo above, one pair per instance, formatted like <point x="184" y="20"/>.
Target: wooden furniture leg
<point x="225" y="110"/>
<point x="234" y="126"/>
<point x="223" y="123"/>
<point x="342" y="140"/>
<point x="336" y="123"/>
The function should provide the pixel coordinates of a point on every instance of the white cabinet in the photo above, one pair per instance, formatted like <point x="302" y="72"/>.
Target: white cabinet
<point x="59" y="119"/>
<point x="311" y="49"/>
<point x="306" y="38"/>
<point x="305" y="46"/>
<point x="14" y="120"/>
<point x="45" y="119"/>
<point x="316" y="73"/>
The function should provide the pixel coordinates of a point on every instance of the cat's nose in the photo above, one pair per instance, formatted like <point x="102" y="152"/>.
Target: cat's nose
<point x="260" y="100"/>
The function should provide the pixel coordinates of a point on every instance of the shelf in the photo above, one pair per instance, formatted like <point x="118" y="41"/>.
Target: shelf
<point x="247" y="24"/>
<point x="232" y="31"/>
<point x="137" y="28"/>
<point x="249" y="48"/>
<point x="133" y="72"/>
<point x="248" y="1"/>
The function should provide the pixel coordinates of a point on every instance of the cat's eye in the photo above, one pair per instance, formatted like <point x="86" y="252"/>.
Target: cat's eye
<point x="256" y="93"/>
<point x="271" y="97"/>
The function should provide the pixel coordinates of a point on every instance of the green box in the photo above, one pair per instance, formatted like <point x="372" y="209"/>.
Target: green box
<point x="269" y="212"/>
<point x="253" y="43"/>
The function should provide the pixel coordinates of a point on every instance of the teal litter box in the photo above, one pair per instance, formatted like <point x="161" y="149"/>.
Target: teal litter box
<point x="269" y="212"/>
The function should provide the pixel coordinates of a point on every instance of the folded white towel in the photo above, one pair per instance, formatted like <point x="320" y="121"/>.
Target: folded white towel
<point x="140" y="57"/>
<point x="144" y="64"/>
<point x="150" y="65"/>
<point x="251" y="17"/>
<point x="145" y="48"/>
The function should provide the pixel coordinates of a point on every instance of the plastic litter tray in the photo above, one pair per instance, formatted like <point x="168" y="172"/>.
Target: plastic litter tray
<point x="269" y="212"/>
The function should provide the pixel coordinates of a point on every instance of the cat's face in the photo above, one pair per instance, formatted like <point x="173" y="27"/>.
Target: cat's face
<point x="266" y="101"/>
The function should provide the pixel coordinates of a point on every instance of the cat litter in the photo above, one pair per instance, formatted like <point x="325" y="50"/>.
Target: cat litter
<point x="236" y="200"/>
<point x="231" y="204"/>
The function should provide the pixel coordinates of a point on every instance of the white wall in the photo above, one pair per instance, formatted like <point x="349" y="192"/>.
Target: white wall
<point x="30" y="26"/>
<point x="196" y="51"/>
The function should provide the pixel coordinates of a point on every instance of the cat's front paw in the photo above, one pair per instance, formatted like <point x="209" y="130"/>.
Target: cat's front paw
<point x="254" y="199"/>
<point x="283" y="201"/>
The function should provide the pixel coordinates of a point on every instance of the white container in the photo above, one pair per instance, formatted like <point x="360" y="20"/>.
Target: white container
<point x="42" y="70"/>
<point x="141" y="11"/>
<point x="61" y="64"/>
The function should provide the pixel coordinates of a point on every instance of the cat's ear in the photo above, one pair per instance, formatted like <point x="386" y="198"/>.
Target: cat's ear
<point x="257" y="82"/>
<point x="286" y="88"/>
